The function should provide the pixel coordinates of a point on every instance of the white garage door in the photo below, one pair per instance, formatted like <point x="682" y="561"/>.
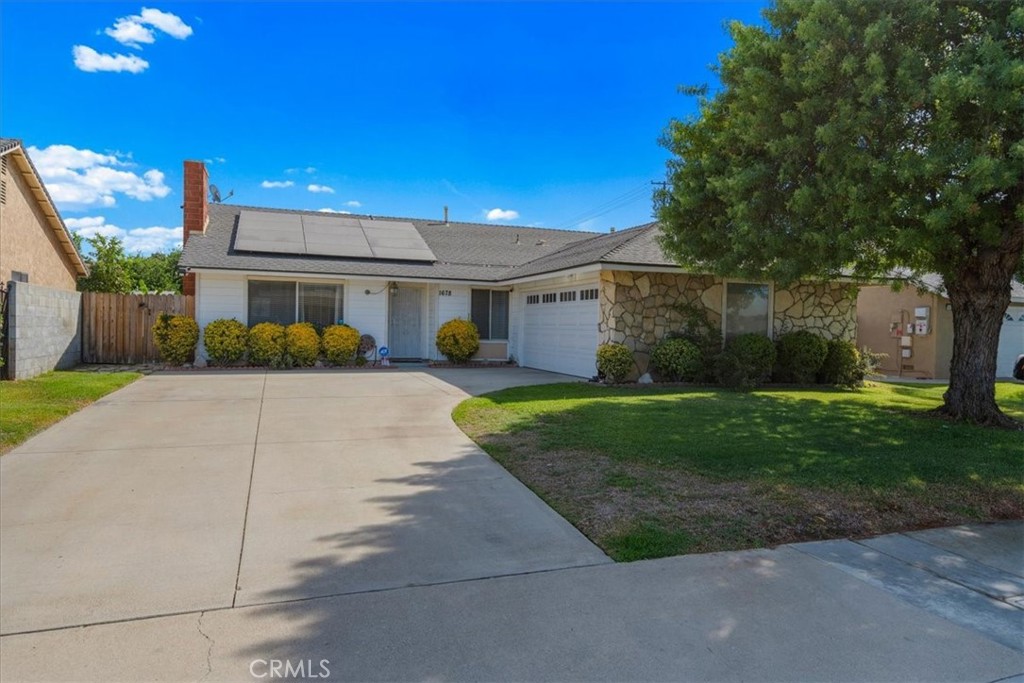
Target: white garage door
<point x="1011" y="341"/>
<point x="560" y="331"/>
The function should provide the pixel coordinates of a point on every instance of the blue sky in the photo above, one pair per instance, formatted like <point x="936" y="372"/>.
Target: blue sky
<point x="526" y="113"/>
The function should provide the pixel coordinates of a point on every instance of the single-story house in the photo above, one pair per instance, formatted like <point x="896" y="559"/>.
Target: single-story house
<point x="35" y="245"/>
<point x="543" y="298"/>
<point x="914" y="327"/>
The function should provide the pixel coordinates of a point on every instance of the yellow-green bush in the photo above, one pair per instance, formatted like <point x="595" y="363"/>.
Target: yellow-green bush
<point x="458" y="340"/>
<point x="266" y="345"/>
<point x="225" y="340"/>
<point x="614" y="362"/>
<point x="176" y="337"/>
<point x="340" y="343"/>
<point x="302" y="344"/>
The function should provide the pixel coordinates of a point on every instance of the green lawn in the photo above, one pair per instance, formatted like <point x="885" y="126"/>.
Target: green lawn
<point x="31" y="405"/>
<point x="658" y="471"/>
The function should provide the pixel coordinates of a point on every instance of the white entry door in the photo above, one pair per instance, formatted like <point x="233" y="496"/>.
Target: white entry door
<point x="405" y="322"/>
<point x="560" y="330"/>
<point x="1011" y="341"/>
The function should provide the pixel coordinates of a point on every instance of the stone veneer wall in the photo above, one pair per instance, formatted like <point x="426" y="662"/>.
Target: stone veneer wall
<point x="639" y="308"/>
<point x="828" y="309"/>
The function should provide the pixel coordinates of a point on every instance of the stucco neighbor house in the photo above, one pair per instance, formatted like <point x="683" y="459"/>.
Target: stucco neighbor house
<point x="544" y="298"/>
<point x="35" y="245"/>
<point x="914" y="327"/>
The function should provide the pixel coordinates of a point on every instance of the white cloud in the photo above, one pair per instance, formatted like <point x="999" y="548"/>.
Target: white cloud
<point x="271" y="184"/>
<point x="329" y="210"/>
<point x="353" y="203"/>
<point x="320" y="188"/>
<point x="87" y="59"/>
<point x="171" y="24"/>
<point x="79" y="178"/>
<point x="502" y="215"/>
<point x="215" y="160"/>
<point x="134" y="31"/>
<point x="136" y="240"/>
<point x="130" y="32"/>
<point x="309" y="169"/>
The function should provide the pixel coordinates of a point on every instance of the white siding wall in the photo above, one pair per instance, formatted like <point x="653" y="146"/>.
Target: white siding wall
<point x="368" y="313"/>
<point x="218" y="296"/>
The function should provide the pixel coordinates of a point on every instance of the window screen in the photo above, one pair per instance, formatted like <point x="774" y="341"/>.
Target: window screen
<point x="489" y="312"/>
<point x="499" y="315"/>
<point x="272" y="302"/>
<point x="746" y="309"/>
<point x="320" y="304"/>
<point x="480" y="312"/>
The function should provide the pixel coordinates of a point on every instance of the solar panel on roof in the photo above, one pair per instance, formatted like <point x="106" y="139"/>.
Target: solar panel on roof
<point x="326" y="235"/>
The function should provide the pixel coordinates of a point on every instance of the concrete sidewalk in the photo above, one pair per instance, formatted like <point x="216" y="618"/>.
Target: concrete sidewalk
<point x="769" y="615"/>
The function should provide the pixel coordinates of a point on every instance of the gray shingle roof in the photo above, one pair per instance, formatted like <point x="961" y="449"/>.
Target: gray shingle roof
<point x="7" y="144"/>
<point x="464" y="251"/>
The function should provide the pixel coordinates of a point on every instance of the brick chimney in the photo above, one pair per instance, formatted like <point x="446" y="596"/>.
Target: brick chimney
<point x="195" y="214"/>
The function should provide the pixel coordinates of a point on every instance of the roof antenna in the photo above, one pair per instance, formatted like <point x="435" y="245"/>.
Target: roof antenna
<point x="215" y="194"/>
<point x="446" y="215"/>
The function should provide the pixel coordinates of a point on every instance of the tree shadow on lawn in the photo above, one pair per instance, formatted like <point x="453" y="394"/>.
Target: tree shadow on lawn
<point x="834" y="439"/>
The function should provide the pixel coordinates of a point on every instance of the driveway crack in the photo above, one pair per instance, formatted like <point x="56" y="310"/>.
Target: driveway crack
<point x="209" y="650"/>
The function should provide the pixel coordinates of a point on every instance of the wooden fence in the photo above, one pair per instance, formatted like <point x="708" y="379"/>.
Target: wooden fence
<point x="118" y="328"/>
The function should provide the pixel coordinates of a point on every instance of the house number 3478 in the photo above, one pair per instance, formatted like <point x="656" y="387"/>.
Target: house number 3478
<point x="444" y="292"/>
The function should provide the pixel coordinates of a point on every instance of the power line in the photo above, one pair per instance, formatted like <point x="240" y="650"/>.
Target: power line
<point x="629" y="197"/>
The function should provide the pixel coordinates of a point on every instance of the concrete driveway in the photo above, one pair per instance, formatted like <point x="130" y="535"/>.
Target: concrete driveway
<point x="213" y="526"/>
<point x="199" y="491"/>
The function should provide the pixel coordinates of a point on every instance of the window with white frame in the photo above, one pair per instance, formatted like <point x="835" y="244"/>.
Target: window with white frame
<point x="567" y="297"/>
<point x="283" y="302"/>
<point x="549" y="298"/>
<point x="489" y="312"/>
<point x="533" y="299"/>
<point x="588" y="294"/>
<point x="746" y="309"/>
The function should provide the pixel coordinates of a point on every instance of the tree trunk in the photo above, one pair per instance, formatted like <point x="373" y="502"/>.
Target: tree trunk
<point x="979" y="295"/>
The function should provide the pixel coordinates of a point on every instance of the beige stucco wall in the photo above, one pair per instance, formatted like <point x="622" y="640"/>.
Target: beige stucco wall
<point x="639" y="308"/>
<point x="27" y="242"/>
<point x="878" y="306"/>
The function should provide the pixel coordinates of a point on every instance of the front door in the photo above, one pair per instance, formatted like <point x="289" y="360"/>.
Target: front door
<point x="405" y="323"/>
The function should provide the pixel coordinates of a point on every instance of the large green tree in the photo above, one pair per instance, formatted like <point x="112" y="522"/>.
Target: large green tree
<point x="108" y="267"/>
<point x="857" y="137"/>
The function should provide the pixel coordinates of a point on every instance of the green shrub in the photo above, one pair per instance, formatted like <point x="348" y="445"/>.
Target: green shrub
<point x="697" y="328"/>
<point x="842" y="366"/>
<point x="799" y="357"/>
<point x="458" y="340"/>
<point x="678" y="360"/>
<point x="176" y="337"/>
<point x="266" y="345"/>
<point x="340" y="343"/>
<point x="301" y="344"/>
<point x="225" y="340"/>
<point x="614" y="362"/>
<point x="746" y="362"/>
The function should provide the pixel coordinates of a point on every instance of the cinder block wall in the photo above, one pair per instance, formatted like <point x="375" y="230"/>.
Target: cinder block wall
<point x="44" y="330"/>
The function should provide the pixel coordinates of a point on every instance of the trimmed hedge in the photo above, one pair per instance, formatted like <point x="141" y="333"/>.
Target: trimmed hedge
<point x="266" y="345"/>
<point x="614" y="362"/>
<point x="176" y="337"/>
<point x="225" y="340"/>
<point x="746" y="362"/>
<point x="458" y="340"/>
<point x="301" y="344"/>
<point x="340" y="343"/>
<point x="800" y="355"/>
<point x="843" y="366"/>
<point x="678" y="360"/>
